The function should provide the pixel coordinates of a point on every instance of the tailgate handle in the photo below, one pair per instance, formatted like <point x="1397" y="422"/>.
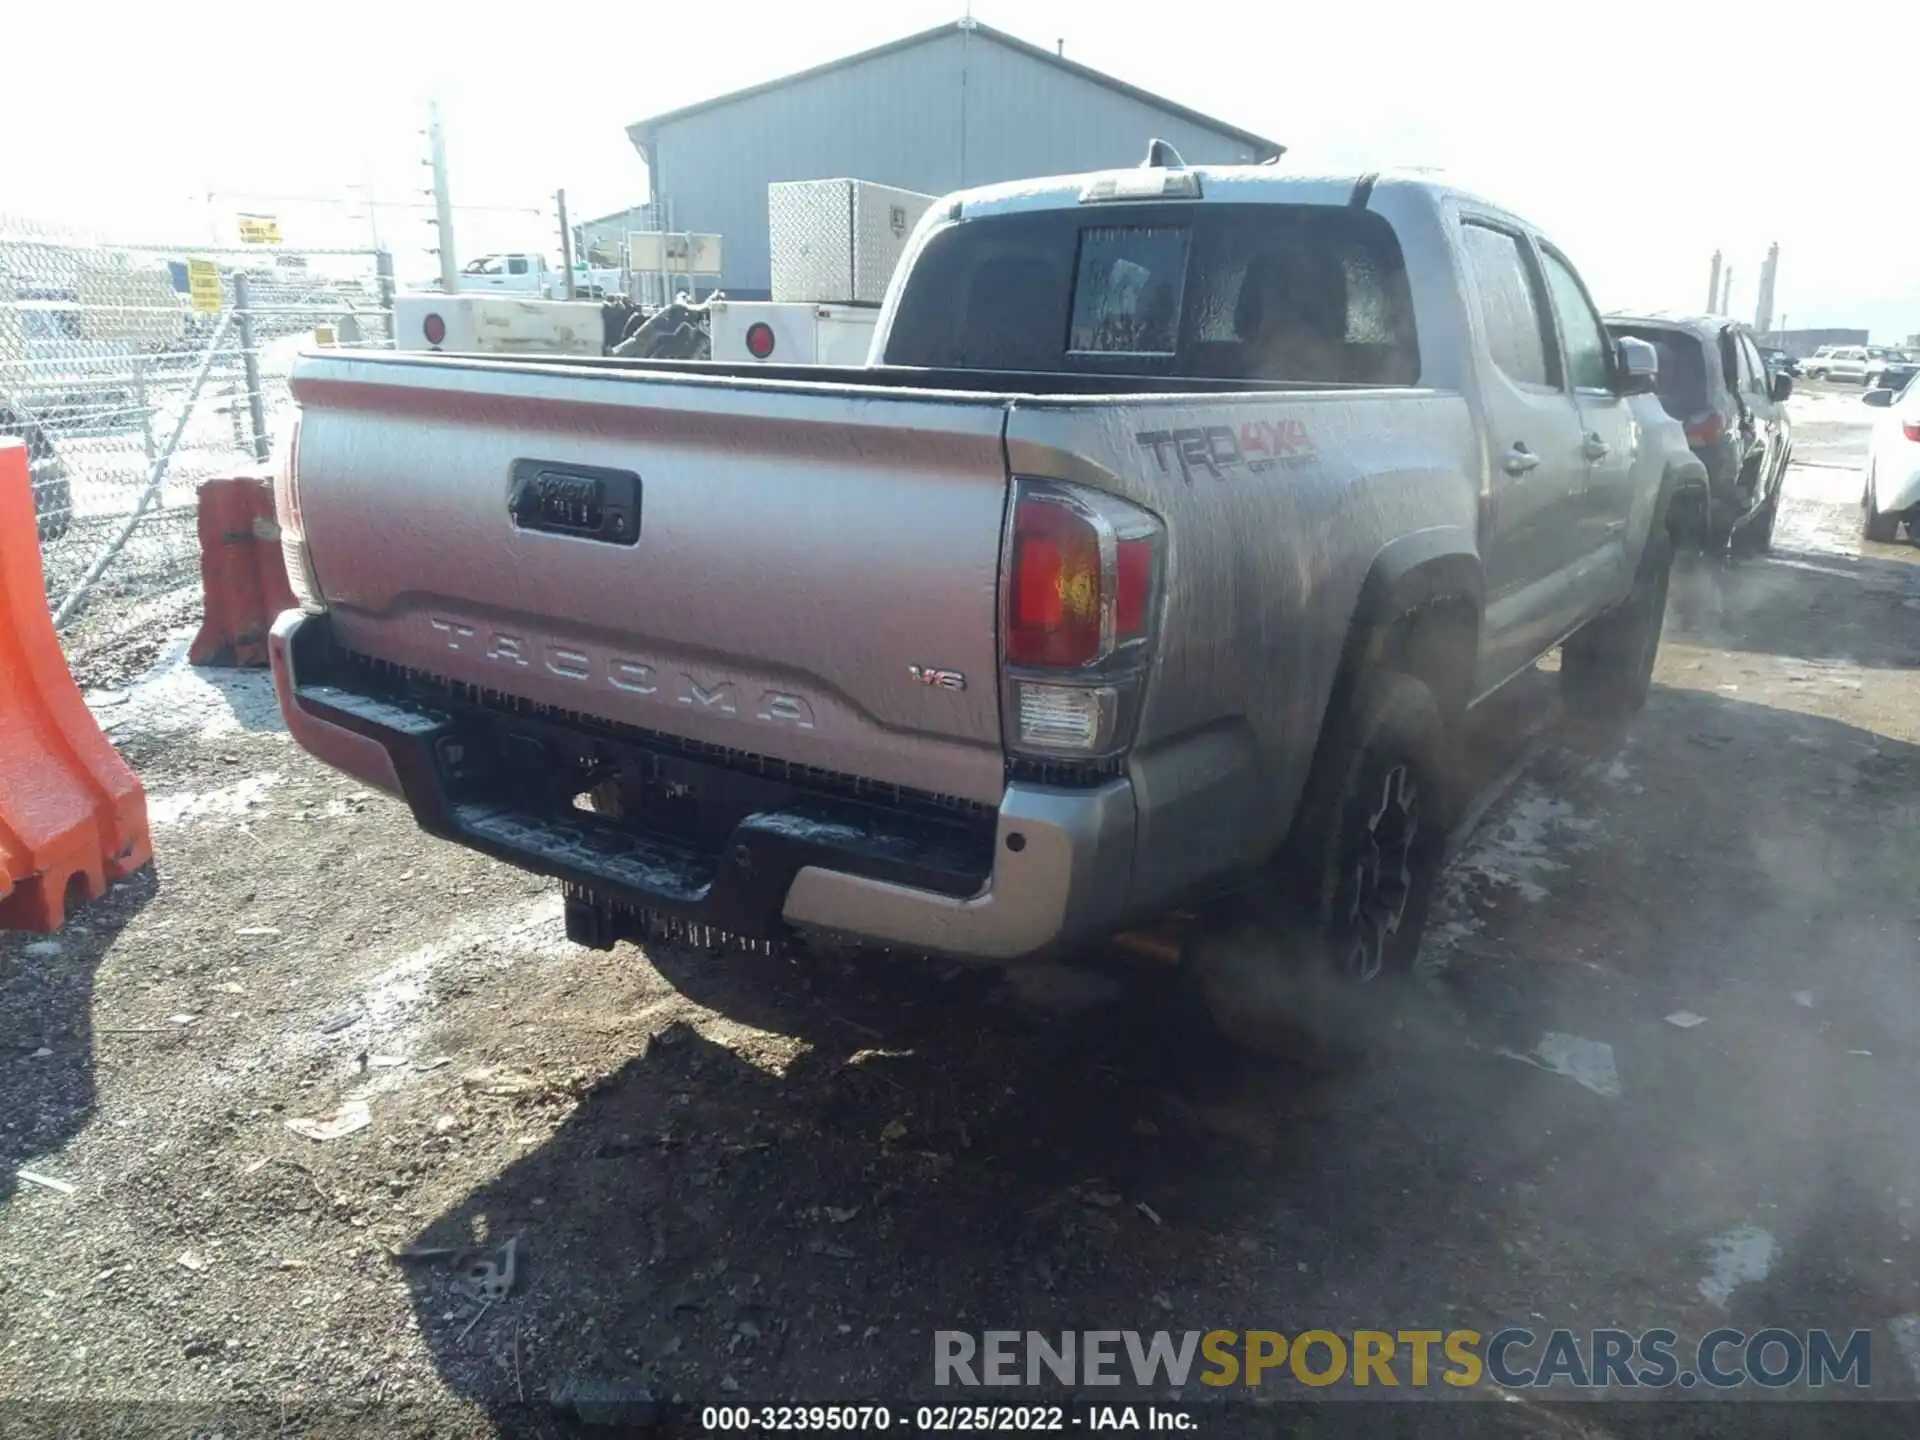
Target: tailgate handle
<point x="586" y="502"/>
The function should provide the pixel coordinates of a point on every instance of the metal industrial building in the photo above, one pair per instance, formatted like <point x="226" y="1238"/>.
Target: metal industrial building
<point x="958" y="105"/>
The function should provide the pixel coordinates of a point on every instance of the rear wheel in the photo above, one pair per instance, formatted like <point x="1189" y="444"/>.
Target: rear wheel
<point x="1756" y="538"/>
<point x="1308" y="967"/>
<point x="1875" y="525"/>
<point x="1606" y="667"/>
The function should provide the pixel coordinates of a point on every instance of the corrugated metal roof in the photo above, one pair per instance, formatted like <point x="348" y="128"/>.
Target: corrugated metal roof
<point x="643" y="131"/>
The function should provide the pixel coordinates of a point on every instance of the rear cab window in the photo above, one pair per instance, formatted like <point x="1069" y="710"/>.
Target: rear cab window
<point x="1308" y="294"/>
<point x="1127" y="291"/>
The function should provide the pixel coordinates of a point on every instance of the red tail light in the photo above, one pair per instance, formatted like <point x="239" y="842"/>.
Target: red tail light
<point x="1911" y="429"/>
<point x="1082" y="589"/>
<point x="1054" y="618"/>
<point x="1133" y="588"/>
<point x="760" y="340"/>
<point x="293" y="535"/>
<point x="1706" y="428"/>
<point x="434" y="328"/>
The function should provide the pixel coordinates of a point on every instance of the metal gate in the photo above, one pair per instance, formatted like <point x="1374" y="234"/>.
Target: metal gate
<point x="135" y="371"/>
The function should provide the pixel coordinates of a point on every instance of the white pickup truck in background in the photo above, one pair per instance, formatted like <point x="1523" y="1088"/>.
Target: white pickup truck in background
<point x="526" y="273"/>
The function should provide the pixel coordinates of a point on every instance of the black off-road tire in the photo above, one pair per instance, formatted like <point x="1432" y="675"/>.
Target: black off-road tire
<point x="1313" y="968"/>
<point x="1875" y="524"/>
<point x="1756" y="536"/>
<point x="1606" y="666"/>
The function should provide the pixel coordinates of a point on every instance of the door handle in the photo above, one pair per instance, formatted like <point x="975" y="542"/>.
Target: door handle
<point x="1594" y="448"/>
<point x="1520" y="459"/>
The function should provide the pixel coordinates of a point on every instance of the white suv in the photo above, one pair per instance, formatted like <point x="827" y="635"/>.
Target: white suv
<point x="1837" y="362"/>
<point x="1893" y="465"/>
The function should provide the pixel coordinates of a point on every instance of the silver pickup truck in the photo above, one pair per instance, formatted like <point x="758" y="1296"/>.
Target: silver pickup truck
<point x="1177" y="520"/>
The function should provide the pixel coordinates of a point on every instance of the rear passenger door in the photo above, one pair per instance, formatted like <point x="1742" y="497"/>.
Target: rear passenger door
<point x="1748" y="405"/>
<point x="1535" y="481"/>
<point x="1756" y="382"/>
<point x="1609" y="439"/>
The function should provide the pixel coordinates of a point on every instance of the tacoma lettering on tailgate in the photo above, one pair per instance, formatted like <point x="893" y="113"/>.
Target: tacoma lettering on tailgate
<point x="708" y="694"/>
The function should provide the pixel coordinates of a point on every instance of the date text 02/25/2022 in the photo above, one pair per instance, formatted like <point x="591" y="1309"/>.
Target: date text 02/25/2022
<point x="944" y="1419"/>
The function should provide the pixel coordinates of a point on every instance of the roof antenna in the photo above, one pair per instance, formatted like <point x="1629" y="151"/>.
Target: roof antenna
<point x="1162" y="156"/>
<point x="1060" y="48"/>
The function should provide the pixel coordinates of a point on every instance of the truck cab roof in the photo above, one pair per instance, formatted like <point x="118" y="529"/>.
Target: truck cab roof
<point x="1217" y="184"/>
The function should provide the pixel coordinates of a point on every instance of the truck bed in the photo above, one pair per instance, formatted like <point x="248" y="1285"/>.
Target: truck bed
<point x="999" y="383"/>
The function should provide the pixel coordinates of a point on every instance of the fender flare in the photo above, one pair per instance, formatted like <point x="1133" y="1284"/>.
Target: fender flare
<point x="1410" y="573"/>
<point x="1441" y="563"/>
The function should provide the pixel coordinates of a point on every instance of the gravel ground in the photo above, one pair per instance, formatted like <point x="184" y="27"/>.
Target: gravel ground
<point x="735" y="1179"/>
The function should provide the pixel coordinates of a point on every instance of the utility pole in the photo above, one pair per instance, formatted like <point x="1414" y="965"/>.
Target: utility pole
<point x="566" y="244"/>
<point x="442" y="200"/>
<point x="1713" y="285"/>
<point x="1763" y="307"/>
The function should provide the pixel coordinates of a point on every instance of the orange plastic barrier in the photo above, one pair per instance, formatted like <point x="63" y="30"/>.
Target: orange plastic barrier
<point x="241" y="570"/>
<point x="73" y="818"/>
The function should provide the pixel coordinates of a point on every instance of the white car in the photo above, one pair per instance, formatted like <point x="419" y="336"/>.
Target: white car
<point x="1893" y="464"/>
<point x="1837" y="362"/>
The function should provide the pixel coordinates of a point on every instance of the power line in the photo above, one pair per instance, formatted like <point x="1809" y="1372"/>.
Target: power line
<point x="366" y="200"/>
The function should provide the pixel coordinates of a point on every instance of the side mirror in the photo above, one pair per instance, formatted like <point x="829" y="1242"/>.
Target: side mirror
<point x="1637" y="366"/>
<point x="1780" y="388"/>
<point x="1879" y="399"/>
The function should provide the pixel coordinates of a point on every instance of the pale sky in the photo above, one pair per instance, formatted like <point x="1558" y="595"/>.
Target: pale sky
<point x="1641" y="135"/>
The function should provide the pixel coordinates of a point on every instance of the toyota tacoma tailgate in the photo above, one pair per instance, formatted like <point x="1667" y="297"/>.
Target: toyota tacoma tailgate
<point x="796" y="571"/>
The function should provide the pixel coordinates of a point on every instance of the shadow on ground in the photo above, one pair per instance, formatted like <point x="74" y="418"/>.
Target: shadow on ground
<point x="46" y="1025"/>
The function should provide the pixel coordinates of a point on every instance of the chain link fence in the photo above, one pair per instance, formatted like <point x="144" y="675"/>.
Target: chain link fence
<point x="135" y="371"/>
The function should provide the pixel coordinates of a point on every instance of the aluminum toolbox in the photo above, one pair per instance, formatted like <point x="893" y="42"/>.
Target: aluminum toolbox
<point x="836" y="242"/>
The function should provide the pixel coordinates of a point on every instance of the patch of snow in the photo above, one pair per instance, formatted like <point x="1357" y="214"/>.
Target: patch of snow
<point x="395" y="999"/>
<point x="225" y="802"/>
<point x="512" y="932"/>
<point x="1588" y="1063"/>
<point x="1740" y="1256"/>
<point x="175" y="697"/>
<point x="1522" y="844"/>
